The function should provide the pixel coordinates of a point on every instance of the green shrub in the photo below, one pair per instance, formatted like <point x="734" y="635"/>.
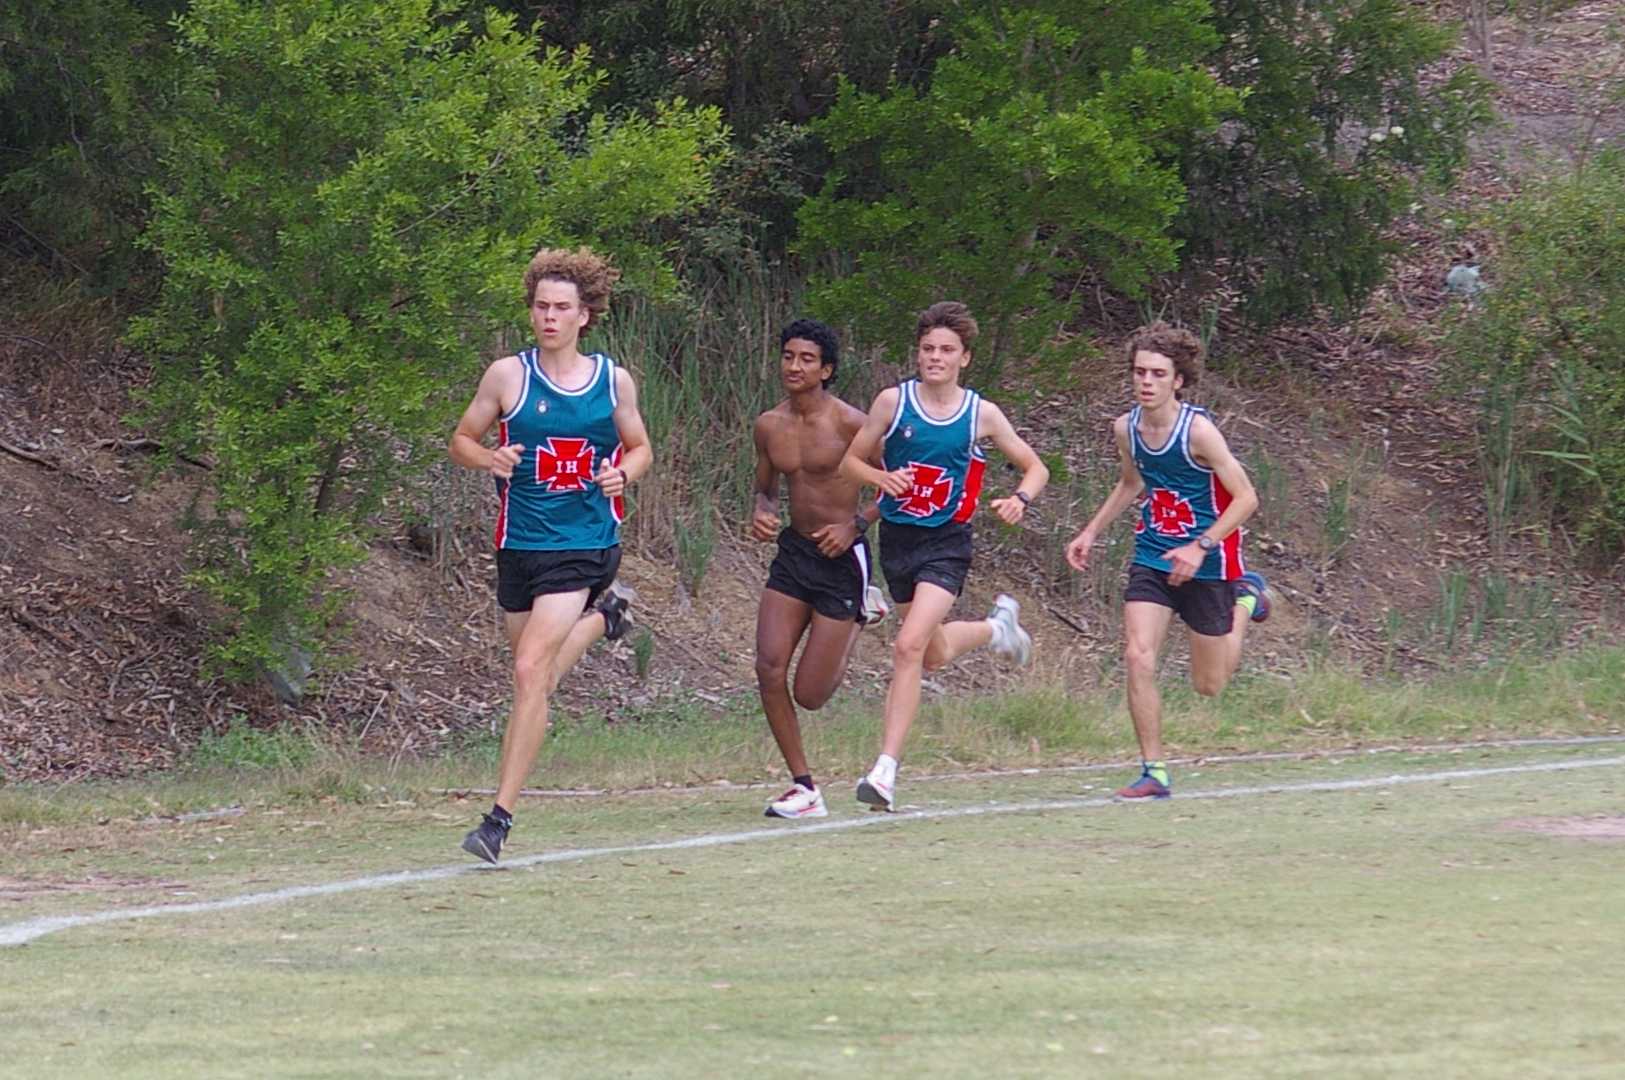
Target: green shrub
<point x="1546" y="348"/>
<point x="349" y="193"/>
<point x="1040" y="152"/>
<point x="81" y="83"/>
<point x="1339" y="118"/>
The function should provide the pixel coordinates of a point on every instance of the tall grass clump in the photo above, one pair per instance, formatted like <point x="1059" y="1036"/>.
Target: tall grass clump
<point x="1545" y="350"/>
<point x="240" y="746"/>
<point x="707" y="366"/>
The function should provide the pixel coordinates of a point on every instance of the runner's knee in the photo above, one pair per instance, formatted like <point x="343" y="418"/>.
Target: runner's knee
<point x="1208" y="683"/>
<point x="1139" y="659"/>
<point x="812" y="698"/>
<point x="532" y="673"/>
<point x="771" y="669"/>
<point x="908" y="649"/>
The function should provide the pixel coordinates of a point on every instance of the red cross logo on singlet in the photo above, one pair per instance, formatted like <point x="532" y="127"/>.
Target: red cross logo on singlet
<point x="930" y="492"/>
<point x="564" y="464"/>
<point x="1170" y="514"/>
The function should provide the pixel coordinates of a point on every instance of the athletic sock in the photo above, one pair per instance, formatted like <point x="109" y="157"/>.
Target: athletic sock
<point x="502" y="816"/>
<point x="805" y="781"/>
<point x="1157" y="771"/>
<point x="1248" y="602"/>
<point x="887" y="766"/>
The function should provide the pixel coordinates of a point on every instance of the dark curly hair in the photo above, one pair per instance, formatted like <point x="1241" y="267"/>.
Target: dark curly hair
<point x="829" y="346"/>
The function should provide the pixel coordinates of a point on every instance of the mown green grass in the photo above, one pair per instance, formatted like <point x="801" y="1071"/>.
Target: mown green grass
<point x="1359" y="933"/>
<point x="1035" y="725"/>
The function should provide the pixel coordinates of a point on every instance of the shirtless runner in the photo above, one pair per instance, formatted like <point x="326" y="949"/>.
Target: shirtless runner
<point x="820" y="586"/>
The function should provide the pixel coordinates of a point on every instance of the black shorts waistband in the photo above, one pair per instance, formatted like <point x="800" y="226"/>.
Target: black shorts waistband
<point x="789" y="538"/>
<point x="906" y="533"/>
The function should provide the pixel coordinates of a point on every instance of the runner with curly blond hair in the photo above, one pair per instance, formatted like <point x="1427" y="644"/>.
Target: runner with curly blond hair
<point x="569" y="441"/>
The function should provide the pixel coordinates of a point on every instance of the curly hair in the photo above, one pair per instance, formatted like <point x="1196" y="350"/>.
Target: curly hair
<point x="1176" y="343"/>
<point x="591" y="274"/>
<point x="950" y="315"/>
<point x="829" y="346"/>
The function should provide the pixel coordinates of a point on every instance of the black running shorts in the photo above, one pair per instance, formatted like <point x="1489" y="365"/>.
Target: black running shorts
<point x="1207" y="607"/>
<point x="834" y="587"/>
<point x="910" y="554"/>
<point x="523" y="575"/>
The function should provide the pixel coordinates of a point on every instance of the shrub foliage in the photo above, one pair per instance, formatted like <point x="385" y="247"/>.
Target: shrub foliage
<point x="348" y="195"/>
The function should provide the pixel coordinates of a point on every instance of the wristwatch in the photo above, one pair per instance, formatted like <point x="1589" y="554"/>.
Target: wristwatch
<point x="1206" y="542"/>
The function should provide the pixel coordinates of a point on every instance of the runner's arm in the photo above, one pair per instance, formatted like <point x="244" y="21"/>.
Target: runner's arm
<point x="1209" y="448"/>
<point x="865" y="448"/>
<point x="1128" y="488"/>
<point x="764" y="518"/>
<point x="1034" y="473"/>
<point x="637" y="456"/>
<point x="467" y="447"/>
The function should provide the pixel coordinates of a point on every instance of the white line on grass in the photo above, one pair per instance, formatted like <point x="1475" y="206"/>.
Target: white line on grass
<point x="1108" y="766"/>
<point x="30" y="929"/>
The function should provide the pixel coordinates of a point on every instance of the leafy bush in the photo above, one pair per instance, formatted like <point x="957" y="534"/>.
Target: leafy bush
<point x="80" y="83"/>
<point x="348" y="196"/>
<point x="1040" y="151"/>
<point x="1338" y="121"/>
<point x="1547" y="349"/>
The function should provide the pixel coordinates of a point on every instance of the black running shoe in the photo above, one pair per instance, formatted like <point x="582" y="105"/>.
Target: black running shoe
<point x="486" y="840"/>
<point x="617" y="619"/>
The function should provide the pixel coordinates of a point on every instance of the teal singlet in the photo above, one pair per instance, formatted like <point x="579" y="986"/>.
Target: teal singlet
<point x="1181" y="500"/>
<point x="552" y="503"/>
<point x="947" y="463"/>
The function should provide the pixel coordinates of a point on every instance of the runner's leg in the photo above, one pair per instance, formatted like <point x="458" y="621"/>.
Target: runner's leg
<point x="955" y="639"/>
<point x="537" y="641"/>
<point x="922" y="621"/>
<point x="823" y="660"/>
<point x="1145" y="627"/>
<point x="780" y="622"/>
<point x="1215" y="657"/>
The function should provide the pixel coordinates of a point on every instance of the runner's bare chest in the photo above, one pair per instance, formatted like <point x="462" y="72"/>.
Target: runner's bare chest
<point x="810" y="447"/>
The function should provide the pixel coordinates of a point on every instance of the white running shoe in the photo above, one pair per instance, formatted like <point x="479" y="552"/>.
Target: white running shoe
<point x="798" y="802"/>
<point x="1009" y="639"/>
<point x="874" y="607"/>
<point x="878" y="790"/>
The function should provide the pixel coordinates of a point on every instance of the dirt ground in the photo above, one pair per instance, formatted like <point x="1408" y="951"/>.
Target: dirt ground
<point x="101" y="639"/>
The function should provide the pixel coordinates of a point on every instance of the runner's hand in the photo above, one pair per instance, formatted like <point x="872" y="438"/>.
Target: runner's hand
<point x="764" y="526"/>
<point x="504" y="459"/>
<point x="611" y="480"/>
<point x="1009" y="509"/>
<point x="898" y="482"/>
<point x="833" y="540"/>
<point x="1077" y="552"/>
<point x="1185" y="560"/>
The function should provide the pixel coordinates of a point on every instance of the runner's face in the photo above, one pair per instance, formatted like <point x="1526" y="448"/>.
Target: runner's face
<point x="801" y="365"/>
<point x="557" y="314"/>
<point x="941" y="356"/>
<point x="1154" y="379"/>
